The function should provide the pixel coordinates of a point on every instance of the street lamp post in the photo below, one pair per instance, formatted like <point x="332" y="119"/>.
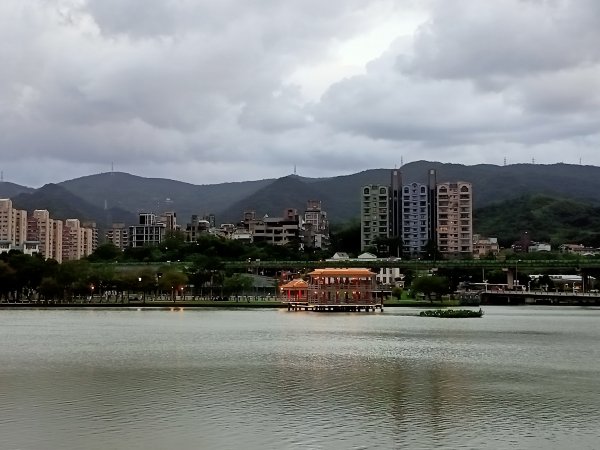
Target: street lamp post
<point x="517" y="273"/>
<point x="141" y="289"/>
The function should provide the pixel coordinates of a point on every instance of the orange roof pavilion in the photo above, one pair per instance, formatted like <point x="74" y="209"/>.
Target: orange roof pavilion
<point x="295" y="290"/>
<point x="357" y="273"/>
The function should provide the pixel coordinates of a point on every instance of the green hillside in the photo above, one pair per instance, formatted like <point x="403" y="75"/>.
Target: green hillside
<point x="547" y="219"/>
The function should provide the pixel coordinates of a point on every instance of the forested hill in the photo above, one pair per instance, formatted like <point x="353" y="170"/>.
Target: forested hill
<point x="556" y="220"/>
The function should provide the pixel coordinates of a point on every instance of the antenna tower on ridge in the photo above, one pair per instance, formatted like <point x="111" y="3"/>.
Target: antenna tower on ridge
<point x="401" y="160"/>
<point x="505" y="160"/>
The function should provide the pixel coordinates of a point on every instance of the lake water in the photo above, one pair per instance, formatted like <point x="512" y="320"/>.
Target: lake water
<point x="520" y="377"/>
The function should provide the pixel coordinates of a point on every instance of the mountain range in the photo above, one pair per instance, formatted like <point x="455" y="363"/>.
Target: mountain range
<point x="115" y="196"/>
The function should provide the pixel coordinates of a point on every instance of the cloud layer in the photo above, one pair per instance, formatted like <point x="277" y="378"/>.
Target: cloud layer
<point x="202" y="91"/>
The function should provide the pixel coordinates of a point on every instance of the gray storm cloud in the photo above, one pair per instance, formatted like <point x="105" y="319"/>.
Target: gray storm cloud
<point x="197" y="89"/>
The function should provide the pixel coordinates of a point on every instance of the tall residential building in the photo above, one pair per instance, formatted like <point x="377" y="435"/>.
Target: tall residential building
<point x="455" y="218"/>
<point x="13" y="224"/>
<point x="316" y="225"/>
<point x="396" y="210"/>
<point x="91" y="240"/>
<point x="72" y="240"/>
<point x="47" y="232"/>
<point x="415" y="212"/>
<point x="432" y="185"/>
<point x="77" y="240"/>
<point x="118" y="235"/>
<point x="375" y="214"/>
<point x="147" y="232"/>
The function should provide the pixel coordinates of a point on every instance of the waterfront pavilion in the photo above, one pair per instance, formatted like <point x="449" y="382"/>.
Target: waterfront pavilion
<point x="355" y="286"/>
<point x="294" y="291"/>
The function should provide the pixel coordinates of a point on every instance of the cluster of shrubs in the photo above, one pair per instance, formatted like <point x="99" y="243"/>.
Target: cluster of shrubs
<point x="451" y="313"/>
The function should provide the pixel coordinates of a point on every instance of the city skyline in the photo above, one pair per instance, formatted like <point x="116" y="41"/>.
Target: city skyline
<point x="208" y="93"/>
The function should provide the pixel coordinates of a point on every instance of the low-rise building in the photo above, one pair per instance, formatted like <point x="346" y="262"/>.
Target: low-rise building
<point x="147" y="232"/>
<point x="276" y="230"/>
<point x="385" y="276"/>
<point x="579" y="249"/>
<point x="195" y="228"/>
<point x="535" y="247"/>
<point x="484" y="246"/>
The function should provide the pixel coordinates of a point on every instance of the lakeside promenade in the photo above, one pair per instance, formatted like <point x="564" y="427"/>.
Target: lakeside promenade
<point x="508" y="298"/>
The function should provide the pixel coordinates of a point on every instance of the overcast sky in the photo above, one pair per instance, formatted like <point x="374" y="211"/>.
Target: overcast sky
<point x="207" y="91"/>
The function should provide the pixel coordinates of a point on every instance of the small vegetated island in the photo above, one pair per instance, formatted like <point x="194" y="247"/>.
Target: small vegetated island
<point x="451" y="313"/>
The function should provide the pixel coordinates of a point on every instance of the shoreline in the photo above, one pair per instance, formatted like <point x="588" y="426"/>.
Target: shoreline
<point x="196" y="304"/>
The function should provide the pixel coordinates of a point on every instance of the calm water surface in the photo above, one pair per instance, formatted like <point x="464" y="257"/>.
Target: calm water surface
<point x="521" y="377"/>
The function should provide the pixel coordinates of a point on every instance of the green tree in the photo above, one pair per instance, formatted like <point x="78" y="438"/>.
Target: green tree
<point x="50" y="289"/>
<point x="203" y="271"/>
<point x="431" y="285"/>
<point x="106" y="252"/>
<point x="174" y="282"/>
<point x="7" y="280"/>
<point x="345" y="238"/>
<point x="237" y="283"/>
<point x="74" y="277"/>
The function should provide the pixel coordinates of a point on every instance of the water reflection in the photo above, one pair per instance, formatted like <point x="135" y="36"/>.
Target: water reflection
<point x="215" y="379"/>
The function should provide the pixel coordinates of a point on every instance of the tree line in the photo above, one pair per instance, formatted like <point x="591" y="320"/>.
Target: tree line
<point x="34" y="279"/>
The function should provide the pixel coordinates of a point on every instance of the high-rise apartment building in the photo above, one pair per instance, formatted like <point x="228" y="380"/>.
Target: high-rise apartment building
<point x="375" y="214"/>
<point x="415" y="214"/>
<point x="454" y="205"/>
<point x="77" y="241"/>
<point x="419" y="213"/>
<point x="47" y="232"/>
<point x="316" y="225"/>
<point x="13" y="224"/>
<point x="432" y="185"/>
<point x="118" y="235"/>
<point x="91" y="240"/>
<point x="396" y="210"/>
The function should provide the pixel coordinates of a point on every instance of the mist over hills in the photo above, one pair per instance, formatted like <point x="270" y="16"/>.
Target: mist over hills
<point x="9" y="190"/>
<point x="62" y="204"/>
<point x="136" y="194"/>
<point x="120" y="196"/>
